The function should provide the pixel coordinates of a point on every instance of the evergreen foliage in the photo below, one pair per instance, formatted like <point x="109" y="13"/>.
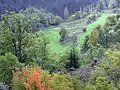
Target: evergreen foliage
<point x="66" y="13"/>
<point x="73" y="59"/>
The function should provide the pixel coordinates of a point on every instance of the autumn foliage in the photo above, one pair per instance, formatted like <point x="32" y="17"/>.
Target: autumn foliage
<point x="33" y="78"/>
<point x="93" y="38"/>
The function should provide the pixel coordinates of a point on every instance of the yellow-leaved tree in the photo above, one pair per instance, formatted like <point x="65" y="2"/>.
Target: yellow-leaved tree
<point x="93" y="38"/>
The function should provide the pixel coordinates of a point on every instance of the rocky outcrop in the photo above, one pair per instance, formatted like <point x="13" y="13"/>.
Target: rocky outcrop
<point x="3" y="87"/>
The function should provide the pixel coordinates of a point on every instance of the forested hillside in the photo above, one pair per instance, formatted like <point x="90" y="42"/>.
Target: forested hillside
<point x="42" y="51"/>
<point x="54" y="6"/>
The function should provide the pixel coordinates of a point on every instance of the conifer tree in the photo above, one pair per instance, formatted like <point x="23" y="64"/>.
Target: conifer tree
<point x="103" y="3"/>
<point x="110" y="5"/>
<point x="66" y="13"/>
<point x="73" y="59"/>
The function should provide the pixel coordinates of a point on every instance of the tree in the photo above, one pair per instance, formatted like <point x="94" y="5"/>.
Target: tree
<point x="5" y="38"/>
<point x="73" y="58"/>
<point x="66" y="13"/>
<point x="7" y="65"/>
<point x="85" y="45"/>
<point x="34" y="78"/>
<point x="103" y="38"/>
<point x="3" y="1"/>
<point x="114" y="57"/>
<point x="111" y="66"/>
<point x="118" y="2"/>
<point x="93" y="38"/>
<point x="40" y="52"/>
<point x="43" y="53"/>
<point x="31" y="78"/>
<point x="112" y="4"/>
<point x="101" y="4"/>
<point x="63" y="34"/>
<point x="101" y="83"/>
<point x="15" y="30"/>
<point x="109" y="34"/>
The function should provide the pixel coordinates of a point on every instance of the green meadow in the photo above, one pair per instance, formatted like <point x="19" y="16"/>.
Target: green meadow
<point x="53" y="34"/>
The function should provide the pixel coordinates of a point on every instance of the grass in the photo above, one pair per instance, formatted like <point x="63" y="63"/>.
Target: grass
<point x="55" y="46"/>
<point x="100" y="21"/>
<point x="53" y="34"/>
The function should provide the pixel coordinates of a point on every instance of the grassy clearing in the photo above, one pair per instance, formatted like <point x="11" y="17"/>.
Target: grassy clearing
<point x="100" y="21"/>
<point x="53" y="34"/>
<point x="55" y="46"/>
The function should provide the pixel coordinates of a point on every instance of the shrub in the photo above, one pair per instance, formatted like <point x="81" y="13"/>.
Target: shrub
<point x="63" y="34"/>
<point x="101" y="83"/>
<point x="60" y="82"/>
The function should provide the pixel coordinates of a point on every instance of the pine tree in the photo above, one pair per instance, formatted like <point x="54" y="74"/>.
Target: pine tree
<point x="73" y="59"/>
<point x="110" y="5"/>
<point x="66" y="13"/>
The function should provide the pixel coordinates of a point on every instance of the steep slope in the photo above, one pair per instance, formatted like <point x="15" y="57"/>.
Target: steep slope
<point x="55" y="6"/>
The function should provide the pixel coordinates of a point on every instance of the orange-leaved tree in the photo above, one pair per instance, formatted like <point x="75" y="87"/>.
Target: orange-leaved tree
<point x="30" y="79"/>
<point x="33" y="78"/>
